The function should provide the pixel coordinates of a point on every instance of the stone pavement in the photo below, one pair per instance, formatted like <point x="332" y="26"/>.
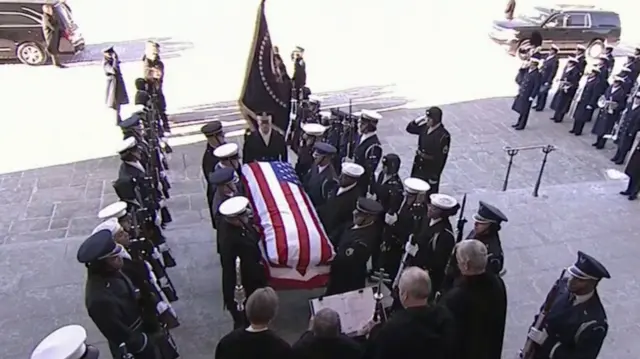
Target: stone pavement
<point x="46" y="213"/>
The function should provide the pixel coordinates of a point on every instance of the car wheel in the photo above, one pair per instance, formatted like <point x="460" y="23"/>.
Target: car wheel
<point x="520" y="52"/>
<point x="596" y="48"/>
<point x="31" y="54"/>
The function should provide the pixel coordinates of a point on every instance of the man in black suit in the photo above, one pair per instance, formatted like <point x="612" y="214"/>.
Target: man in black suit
<point x="368" y="152"/>
<point x="265" y="145"/>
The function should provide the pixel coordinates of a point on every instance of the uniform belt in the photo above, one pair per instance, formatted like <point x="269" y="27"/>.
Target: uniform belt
<point x="136" y="324"/>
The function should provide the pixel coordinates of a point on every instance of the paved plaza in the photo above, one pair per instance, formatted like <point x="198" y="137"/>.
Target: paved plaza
<point x="46" y="213"/>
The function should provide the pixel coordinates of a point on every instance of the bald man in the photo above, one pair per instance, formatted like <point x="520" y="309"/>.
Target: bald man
<point x="325" y="339"/>
<point x="478" y="302"/>
<point x="418" y="330"/>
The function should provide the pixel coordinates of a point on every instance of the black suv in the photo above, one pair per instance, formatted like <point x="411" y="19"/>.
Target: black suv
<point x="565" y="26"/>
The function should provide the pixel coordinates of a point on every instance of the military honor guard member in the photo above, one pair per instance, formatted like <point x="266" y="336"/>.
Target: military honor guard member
<point x="527" y="92"/>
<point x="612" y="104"/>
<point x="478" y="303"/>
<point x="633" y="171"/>
<point x="547" y="74"/>
<point x="485" y="229"/>
<point x="337" y="213"/>
<point x="576" y="325"/>
<point x="312" y="132"/>
<point x="228" y="156"/>
<point x="603" y="66"/>
<point x="321" y="181"/>
<point x="368" y="152"/>
<point x="588" y="101"/>
<point x="434" y="142"/>
<point x="266" y="144"/>
<point x="239" y="239"/>
<point x="633" y="63"/>
<point x="67" y="342"/>
<point x="111" y="298"/>
<point x="629" y="127"/>
<point x="349" y="267"/>
<point x="116" y="89"/>
<point x="581" y="58"/>
<point x="299" y="72"/>
<point x="627" y="81"/>
<point x="224" y="183"/>
<point x="567" y="88"/>
<point x="215" y="138"/>
<point x="130" y="154"/>
<point x="611" y="60"/>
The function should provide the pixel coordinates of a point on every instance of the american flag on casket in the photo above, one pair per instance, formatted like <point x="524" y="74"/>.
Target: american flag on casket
<point x="295" y="245"/>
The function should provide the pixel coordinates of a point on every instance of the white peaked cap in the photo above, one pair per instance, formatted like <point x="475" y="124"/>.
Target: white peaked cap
<point x="64" y="343"/>
<point x="581" y="47"/>
<point x="555" y="47"/>
<point x="416" y="185"/>
<point x="625" y="69"/>
<point x="353" y="170"/>
<point x="110" y="224"/>
<point x="443" y="201"/>
<point x="325" y="114"/>
<point x="117" y="210"/>
<point x="227" y="150"/>
<point x="127" y="144"/>
<point x="234" y="206"/>
<point x="313" y="129"/>
<point x="314" y="98"/>
<point x="534" y="59"/>
<point x="371" y="115"/>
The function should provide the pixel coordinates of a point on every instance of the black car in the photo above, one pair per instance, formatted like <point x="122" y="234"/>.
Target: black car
<point x="21" y="35"/>
<point x="565" y="26"/>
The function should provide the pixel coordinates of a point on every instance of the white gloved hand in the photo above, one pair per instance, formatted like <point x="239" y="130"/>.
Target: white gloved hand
<point x="292" y="116"/>
<point x="530" y="99"/>
<point x="538" y="336"/>
<point x="390" y="219"/>
<point x="589" y="107"/>
<point x="420" y="120"/>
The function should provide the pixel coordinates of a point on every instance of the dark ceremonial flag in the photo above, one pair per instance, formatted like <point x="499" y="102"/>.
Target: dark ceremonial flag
<point x="267" y="87"/>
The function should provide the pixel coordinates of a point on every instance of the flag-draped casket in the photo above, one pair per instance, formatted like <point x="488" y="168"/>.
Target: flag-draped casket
<point x="295" y="246"/>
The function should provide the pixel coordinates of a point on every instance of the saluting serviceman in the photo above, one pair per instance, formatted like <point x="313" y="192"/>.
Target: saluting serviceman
<point x="629" y="127"/>
<point x="299" y="72"/>
<point x="633" y="171"/>
<point x="581" y="58"/>
<point x="567" y="88"/>
<point x="611" y="60"/>
<point x="116" y="89"/>
<point x="68" y="342"/>
<point x="111" y="299"/>
<point x="603" y="65"/>
<point x="349" y="267"/>
<point x="528" y="90"/>
<point x="239" y="239"/>
<point x="594" y="88"/>
<point x="215" y="137"/>
<point x="337" y="213"/>
<point x="434" y="142"/>
<point x="615" y="99"/>
<point x="576" y="325"/>
<point x="485" y="229"/>
<point x="228" y="156"/>
<point x="368" y="152"/>
<point x="547" y="75"/>
<point x="627" y="82"/>
<point x="312" y="133"/>
<point x="321" y="180"/>
<point x="266" y="144"/>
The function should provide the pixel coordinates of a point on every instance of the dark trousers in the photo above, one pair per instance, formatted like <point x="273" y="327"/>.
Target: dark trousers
<point x="524" y="118"/>
<point x="239" y="318"/>
<point x="600" y="142"/>
<point x="541" y="101"/>
<point x="633" y="186"/>
<point x="577" y="128"/>
<point x="624" y="146"/>
<point x="116" y="108"/>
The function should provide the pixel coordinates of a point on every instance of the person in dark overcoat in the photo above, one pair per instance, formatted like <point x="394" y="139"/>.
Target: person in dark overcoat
<point x="629" y="127"/>
<point x="348" y="269"/>
<point x="614" y="101"/>
<point x="299" y="77"/>
<point x="581" y="58"/>
<point x="312" y="132"/>
<point x="52" y="31"/>
<point x="566" y="90"/>
<point x="611" y="60"/>
<point x="603" y="66"/>
<point x="368" y="151"/>
<point x="528" y="90"/>
<point x="266" y="144"/>
<point x="215" y="137"/>
<point x="547" y="75"/>
<point x="633" y="171"/>
<point x="324" y="339"/>
<point x="321" y="180"/>
<point x="478" y="303"/>
<point x="576" y="324"/>
<point x="434" y="143"/>
<point x="116" y="89"/>
<point x="588" y="101"/>
<point x="633" y="63"/>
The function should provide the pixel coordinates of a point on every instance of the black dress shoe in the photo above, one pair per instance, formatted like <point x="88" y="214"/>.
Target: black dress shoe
<point x="619" y="162"/>
<point x="515" y="125"/>
<point x="613" y="159"/>
<point x="557" y="121"/>
<point x="578" y="133"/>
<point x="538" y="110"/>
<point x="552" y="118"/>
<point x="625" y="193"/>
<point x="632" y="197"/>
<point x="572" y="131"/>
<point x="519" y="128"/>
<point x="599" y="147"/>
<point x="594" y="144"/>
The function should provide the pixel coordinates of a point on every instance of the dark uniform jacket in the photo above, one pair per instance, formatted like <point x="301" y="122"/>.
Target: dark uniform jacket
<point x="582" y="64"/>
<point x="633" y="166"/>
<point x="320" y="185"/>
<point x="435" y="146"/>
<point x="256" y="150"/>
<point x="240" y="242"/>
<point x="479" y="307"/>
<point x="569" y="83"/>
<point x="607" y="119"/>
<point x="395" y="237"/>
<point x="116" y="90"/>
<point x="611" y="62"/>
<point x="529" y="87"/>
<point x="389" y="192"/>
<point x="593" y="89"/>
<point x="630" y="122"/>
<point x="367" y="154"/>
<point x="578" y="330"/>
<point x="112" y="304"/>
<point x="435" y="245"/>
<point x="548" y="72"/>
<point x="299" y="74"/>
<point x="310" y="346"/>
<point x="414" y="333"/>
<point x="245" y="344"/>
<point x="209" y="162"/>
<point x="51" y="30"/>
<point x="349" y="267"/>
<point x="305" y="160"/>
<point x="337" y="213"/>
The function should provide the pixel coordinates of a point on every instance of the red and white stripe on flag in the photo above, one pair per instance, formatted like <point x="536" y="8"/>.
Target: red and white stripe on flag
<point x="296" y="246"/>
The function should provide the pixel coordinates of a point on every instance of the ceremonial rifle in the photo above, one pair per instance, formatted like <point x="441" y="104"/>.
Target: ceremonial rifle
<point x="411" y="246"/>
<point x="293" y="117"/>
<point x="529" y="348"/>
<point x="459" y="233"/>
<point x="379" y="314"/>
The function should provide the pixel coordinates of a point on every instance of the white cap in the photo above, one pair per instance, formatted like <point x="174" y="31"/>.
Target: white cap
<point x="110" y="224"/>
<point x="625" y="69"/>
<point x="357" y="114"/>
<point x="227" y="150"/>
<point x="573" y="59"/>
<point x="416" y="185"/>
<point x="535" y="60"/>
<point x="314" y="99"/>
<point x="127" y="144"/>
<point x="234" y="206"/>
<point x="371" y="115"/>
<point x="353" y="170"/>
<point x="114" y="210"/>
<point x="581" y="47"/>
<point x="64" y="343"/>
<point x="618" y="78"/>
<point x="443" y="201"/>
<point x="325" y="114"/>
<point x="555" y="47"/>
<point x="313" y="129"/>
<point x="138" y="108"/>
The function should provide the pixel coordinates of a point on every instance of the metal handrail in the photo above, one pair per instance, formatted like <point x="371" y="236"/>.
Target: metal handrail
<point x="513" y="151"/>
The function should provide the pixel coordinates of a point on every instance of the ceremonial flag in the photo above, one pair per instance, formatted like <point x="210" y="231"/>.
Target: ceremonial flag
<point x="267" y="87"/>
<point x="295" y="245"/>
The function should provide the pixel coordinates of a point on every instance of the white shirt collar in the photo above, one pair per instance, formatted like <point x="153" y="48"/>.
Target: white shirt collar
<point x="254" y="330"/>
<point x="355" y="226"/>
<point x="342" y="190"/>
<point x="431" y="129"/>
<point x="322" y="168"/>
<point x="434" y="221"/>
<point x="135" y="164"/>
<point x="265" y="137"/>
<point x="365" y="136"/>
<point x="582" y="298"/>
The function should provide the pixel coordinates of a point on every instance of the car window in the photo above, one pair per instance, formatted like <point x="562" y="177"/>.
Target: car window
<point x="605" y="19"/>
<point x="15" y="19"/>
<point x="576" y="20"/>
<point x="555" y="21"/>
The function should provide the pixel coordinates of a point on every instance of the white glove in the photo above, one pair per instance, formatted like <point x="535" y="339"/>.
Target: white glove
<point x="390" y="219"/>
<point x="589" y="107"/>
<point x="348" y="160"/>
<point x="420" y="120"/>
<point x="292" y="116"/>
<point x="538" y="336"/>
<point x="530" y="99"/>
<point x="411" y="249"/>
